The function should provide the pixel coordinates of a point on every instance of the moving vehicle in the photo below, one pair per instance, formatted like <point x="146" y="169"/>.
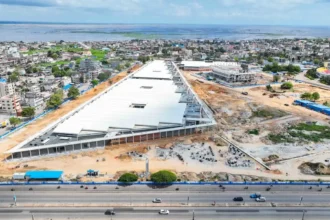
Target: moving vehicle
<point x="110" y="212"/>
<point x="261" y="199"/>
<point x="238" y="199"/>
<point x="255" y="195"/>
<point x="157" y="200"/>
<point x="164" y="212"/>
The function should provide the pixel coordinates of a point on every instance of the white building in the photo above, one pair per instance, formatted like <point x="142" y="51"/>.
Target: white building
<point x="11" y="105"/>
<point x="6" y="88"/>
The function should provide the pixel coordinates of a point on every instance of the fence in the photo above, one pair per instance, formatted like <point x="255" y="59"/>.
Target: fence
<point x="228" y="183"/>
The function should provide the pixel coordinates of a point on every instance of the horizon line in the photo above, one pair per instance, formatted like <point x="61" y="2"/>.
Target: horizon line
<point x="142" y="23"/>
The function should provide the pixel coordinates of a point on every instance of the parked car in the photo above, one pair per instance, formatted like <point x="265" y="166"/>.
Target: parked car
<point x="164" y="212"/>
<point x="245" y="93"/>
<point x="238" y="199"/>
<point x="255" y="195"/>
<point x="110" y="212"/>
<point x="157" y="200"/>
<point x="261" y="199"/>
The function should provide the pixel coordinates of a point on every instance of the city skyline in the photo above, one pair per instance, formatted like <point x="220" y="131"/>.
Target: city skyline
<point x="240" y="12"/>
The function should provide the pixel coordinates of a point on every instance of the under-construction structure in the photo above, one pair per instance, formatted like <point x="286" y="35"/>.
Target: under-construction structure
<point x="152" y="103"/>
<point x="232" y="74"/>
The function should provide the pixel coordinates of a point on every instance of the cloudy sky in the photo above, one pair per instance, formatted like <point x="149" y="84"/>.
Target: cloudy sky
<point x="259" y="12"/>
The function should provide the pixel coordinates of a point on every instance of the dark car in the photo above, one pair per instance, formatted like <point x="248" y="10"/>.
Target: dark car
<point x="238" y="199"/>
<point x="110" y="212"/>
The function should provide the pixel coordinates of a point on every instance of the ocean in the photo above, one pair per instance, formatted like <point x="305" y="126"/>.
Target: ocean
<point x="29" y="32"/>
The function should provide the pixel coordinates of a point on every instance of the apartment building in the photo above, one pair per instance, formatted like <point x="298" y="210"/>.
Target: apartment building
<point x="10" y="104"/>
<point x="6" y="88"/>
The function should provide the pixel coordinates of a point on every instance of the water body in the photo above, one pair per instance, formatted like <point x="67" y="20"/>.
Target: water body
<point x="29" y="32"/>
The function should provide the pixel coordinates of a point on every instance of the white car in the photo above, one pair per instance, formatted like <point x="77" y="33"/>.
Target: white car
<point x="261" y="199"/>
<point x="164" y="212"/>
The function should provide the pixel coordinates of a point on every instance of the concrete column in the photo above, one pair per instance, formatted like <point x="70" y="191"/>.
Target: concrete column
<point x="80" y="146"/>
<point x="126" y="140"/>
<point x="153" y="136"/>
<point x="21" y="154"/>
<point x="12" y="157"/>
<point x="39" y="152"/>
<point x="48" y="150"/>
<point x="30" y="153"/>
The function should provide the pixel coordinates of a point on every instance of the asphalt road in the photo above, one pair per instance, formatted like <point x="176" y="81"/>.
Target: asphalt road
<point x="178" y="213"/>
<point x="132" y="198"/>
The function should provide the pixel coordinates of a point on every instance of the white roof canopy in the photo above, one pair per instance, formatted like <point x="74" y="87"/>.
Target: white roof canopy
<point x="135" y="102"/>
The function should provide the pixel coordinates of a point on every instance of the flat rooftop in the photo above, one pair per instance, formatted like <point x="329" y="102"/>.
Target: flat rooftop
<point x="147" y="99"/>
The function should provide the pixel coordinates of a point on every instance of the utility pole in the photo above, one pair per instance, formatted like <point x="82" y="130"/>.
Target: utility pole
<point x="15" y="199"/>
<point x="303" y="216"/>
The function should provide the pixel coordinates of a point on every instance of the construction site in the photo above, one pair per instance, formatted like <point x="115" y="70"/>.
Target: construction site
<point x="258" y="135"/>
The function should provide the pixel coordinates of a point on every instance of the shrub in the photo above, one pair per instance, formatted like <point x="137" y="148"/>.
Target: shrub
<point x="287" y="85"/>
<point x="163" y="176"/>
<point x="128" y="178"/>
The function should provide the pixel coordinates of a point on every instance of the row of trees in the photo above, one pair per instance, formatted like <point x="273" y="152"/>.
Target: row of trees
<point x="275" y="67"/>
<point x="163" y="176"/>
<point x="310" y="96"/>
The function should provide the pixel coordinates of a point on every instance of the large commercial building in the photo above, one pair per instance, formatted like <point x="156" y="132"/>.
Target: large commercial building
<point x="154" y="102"/>
<point x="232" y="74"/>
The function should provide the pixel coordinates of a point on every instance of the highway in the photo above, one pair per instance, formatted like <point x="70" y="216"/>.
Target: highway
<point x="175" y="213"/>
<point x="135" y="202"/>
<point x="146" y="198"/>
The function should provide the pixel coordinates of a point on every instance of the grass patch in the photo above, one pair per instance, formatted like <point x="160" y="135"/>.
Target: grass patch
<point x="254" y="131"/>
<point x="98" y="54"/>
<point x="302" y="132"/>
<point x="280" y="138"/>
<point x="268" y="113"/>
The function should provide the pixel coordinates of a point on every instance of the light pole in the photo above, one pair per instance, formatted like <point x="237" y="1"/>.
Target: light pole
<point x="193" y="215"/>
<point x="303" y="216"/>
<point x="301" y="199"/>
<point x="188" y="200"/>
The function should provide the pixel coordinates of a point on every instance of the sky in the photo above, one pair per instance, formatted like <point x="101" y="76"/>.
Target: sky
<point x="230" y="12"/>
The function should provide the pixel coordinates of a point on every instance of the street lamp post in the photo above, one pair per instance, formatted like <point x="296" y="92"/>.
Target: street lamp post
<point x="193" y="215"/>
<point x="303" y="216"/>
<point x="301" y="199"/>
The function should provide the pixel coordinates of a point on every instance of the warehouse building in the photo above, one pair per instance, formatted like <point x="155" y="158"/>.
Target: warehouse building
<point x="154" y="102"/>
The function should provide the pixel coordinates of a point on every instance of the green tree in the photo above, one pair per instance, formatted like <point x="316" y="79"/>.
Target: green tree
<point x="55" y="100"/>
<point x="13" y="77"/>
<point x="270" y="59"/>
<point x="316" y="61"/>
<point x="306" y="96"/>
<point x="128" y="178"/>
<point x="127" y="64"/>
<point x="14" y="121"/>
<point x="163" y="176"/>
<point x="316" y="96"/>
<point x="73" y="92"/>
<point x="104" y="76"/>
<point x="311" y="74"/>
<point x="326" y="103"/>
<point x="55" y="69"/>
<point x="35" y="69"/>
<point x="178" y="59"/>
<point x="95" y="82"/>
<point x="287" y="85"/>
<point x="28" y="112"/>
<point x="260" y="62"/>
